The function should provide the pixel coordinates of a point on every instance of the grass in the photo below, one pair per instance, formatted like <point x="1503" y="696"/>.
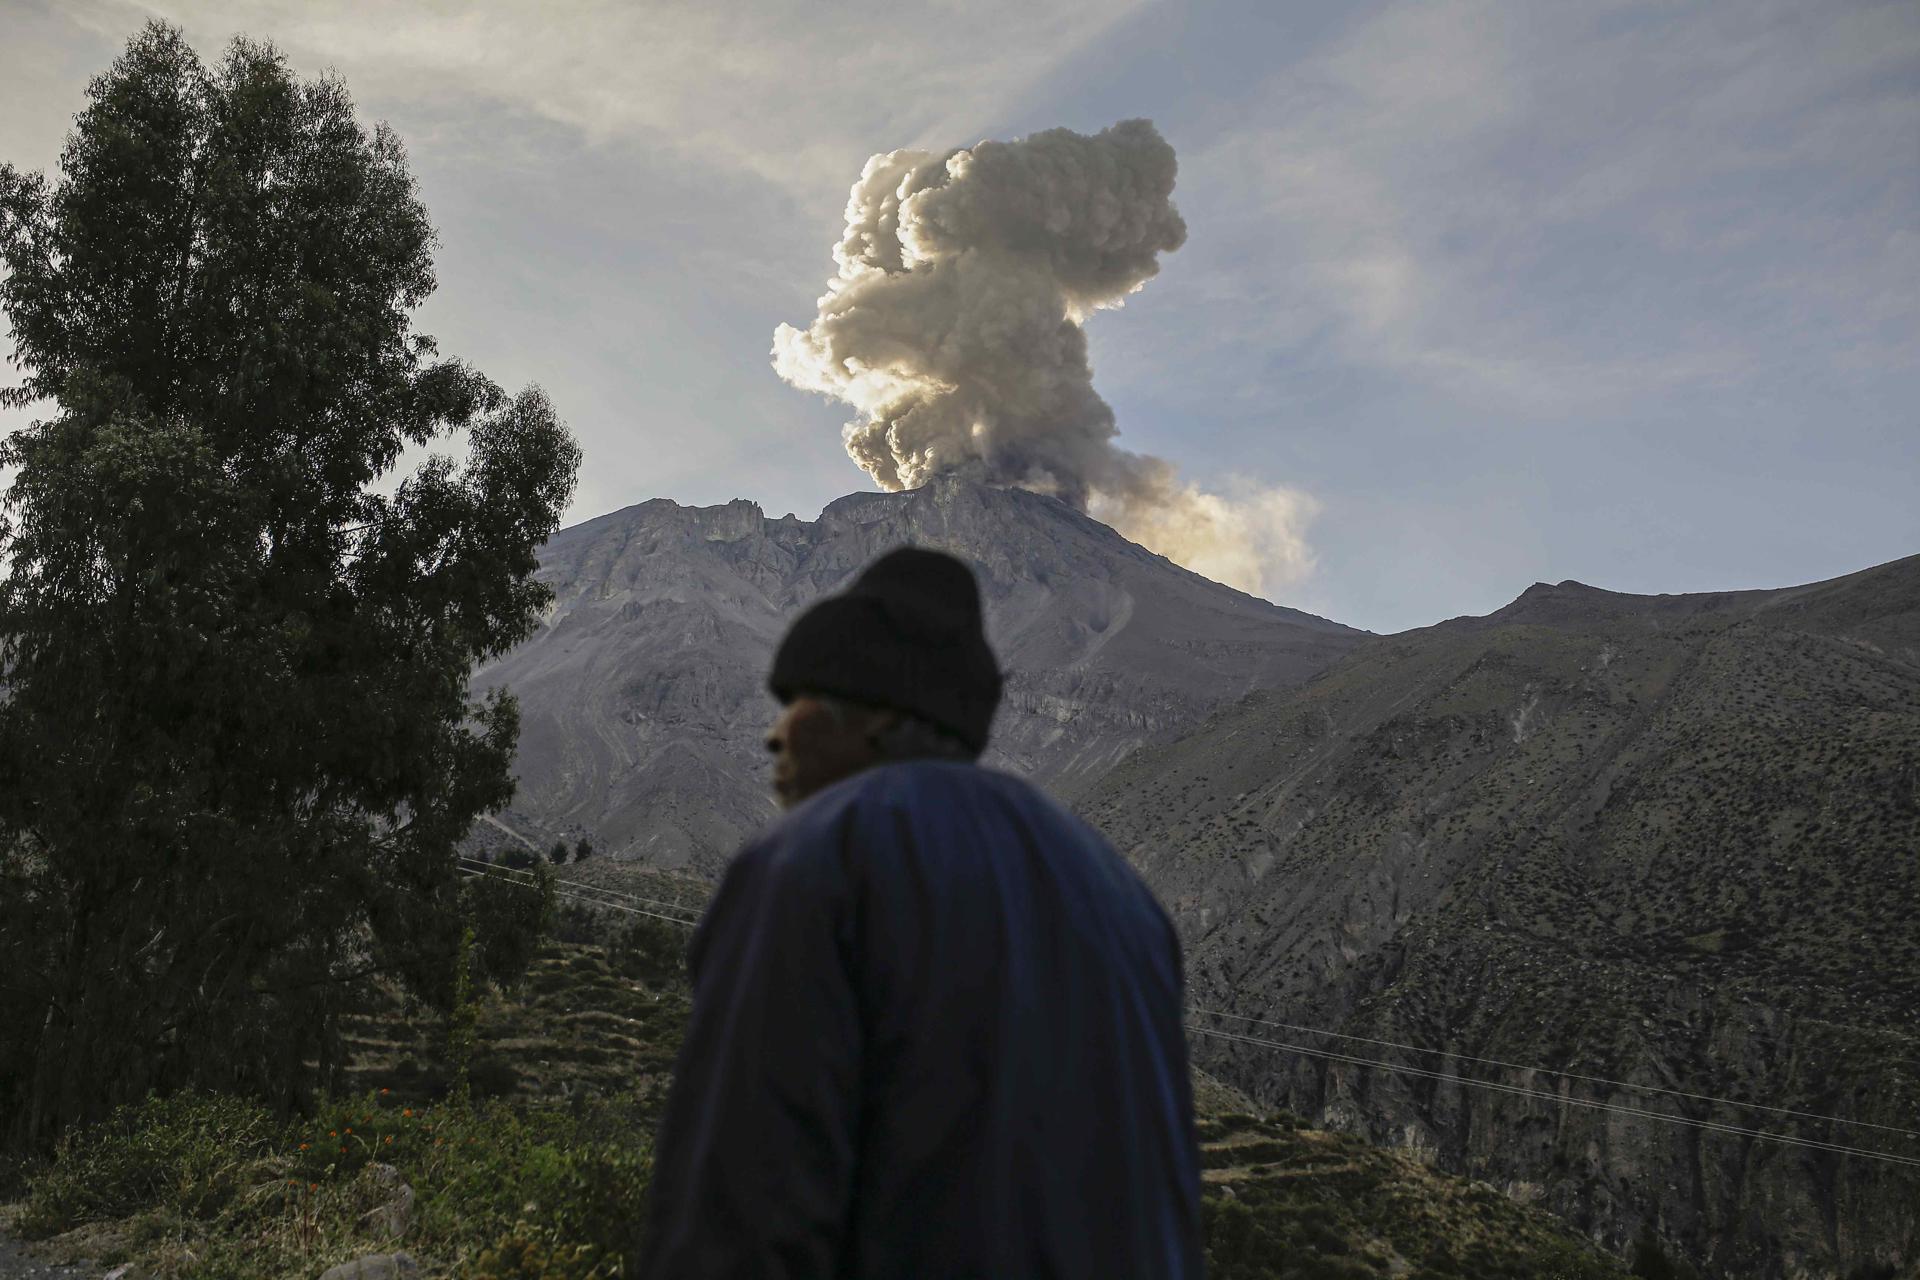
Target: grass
<point x="215" y="1187"/>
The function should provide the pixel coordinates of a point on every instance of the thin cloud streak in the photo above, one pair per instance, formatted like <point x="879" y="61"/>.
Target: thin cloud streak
<point x="1531" y="206"/>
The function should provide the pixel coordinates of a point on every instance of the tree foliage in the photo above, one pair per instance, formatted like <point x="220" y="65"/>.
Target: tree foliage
<point x="237" y="741"/>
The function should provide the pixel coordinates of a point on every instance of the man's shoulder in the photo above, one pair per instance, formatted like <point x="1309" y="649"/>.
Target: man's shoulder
<point x="937" y="785"/>
<point x="907" y="779"/>
<point x="914" y="805"/>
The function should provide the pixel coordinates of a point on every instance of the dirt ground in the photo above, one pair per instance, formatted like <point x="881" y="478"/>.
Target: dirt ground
<point x="17" y="1264"/>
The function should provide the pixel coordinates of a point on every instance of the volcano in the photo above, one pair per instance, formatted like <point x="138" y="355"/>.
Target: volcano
<point x="643" y="698"/>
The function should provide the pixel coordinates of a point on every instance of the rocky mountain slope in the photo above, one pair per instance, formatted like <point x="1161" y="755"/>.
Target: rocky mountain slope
<point x="643" y="700"/>
<point x="1670" y="841"/>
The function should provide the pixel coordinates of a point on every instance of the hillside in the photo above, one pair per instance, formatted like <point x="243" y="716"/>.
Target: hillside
<point x="643" y="701"/>
<point x="1670" y="841"/>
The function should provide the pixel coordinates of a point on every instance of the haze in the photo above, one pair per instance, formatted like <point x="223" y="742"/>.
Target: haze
<point x="1617" y="292"/>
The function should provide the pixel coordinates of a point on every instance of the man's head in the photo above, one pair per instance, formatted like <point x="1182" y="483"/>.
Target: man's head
<point x="897" y="667"/>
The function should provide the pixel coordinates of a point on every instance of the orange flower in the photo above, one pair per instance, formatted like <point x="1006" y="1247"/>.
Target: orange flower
<point x="407" y="1112"/>
<point x="349" y="1130"/>
<point x="385" y="1092"/>
<point x="313" y="1186"/>
<point x="389" y="1139"/>
<point x="334" y="1133"/>
<point x="343" y="1151"/>
<point x="305" y="1145"/>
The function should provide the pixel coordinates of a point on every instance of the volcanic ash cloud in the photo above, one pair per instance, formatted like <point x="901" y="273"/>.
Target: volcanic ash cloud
<point x="954" y="326"/>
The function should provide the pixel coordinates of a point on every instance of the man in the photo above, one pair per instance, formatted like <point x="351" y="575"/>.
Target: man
<point x="937" y="1020"/>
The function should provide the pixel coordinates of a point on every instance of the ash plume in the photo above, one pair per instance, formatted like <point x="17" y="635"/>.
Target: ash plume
<point x="953" y="324"/>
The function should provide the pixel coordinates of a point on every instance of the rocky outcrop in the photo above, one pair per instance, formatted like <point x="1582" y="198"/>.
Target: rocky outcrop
<point x="1670" y="845"/>
<point x="374" y="1266"/>
<point x="642" y="698"/>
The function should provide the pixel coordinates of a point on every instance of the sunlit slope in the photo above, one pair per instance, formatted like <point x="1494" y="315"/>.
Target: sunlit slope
<point x="1670" y="841"/>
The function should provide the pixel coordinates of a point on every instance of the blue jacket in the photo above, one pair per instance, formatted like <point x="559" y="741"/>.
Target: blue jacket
<point x="936" y="1033"/>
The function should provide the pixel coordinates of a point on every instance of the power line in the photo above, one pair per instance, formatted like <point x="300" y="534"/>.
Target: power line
<point x="574" y="897"/>
<point x="475" y="864"/>
<point x="507" y="878"/>
<point x="672" y="879"/>
<point x="481" y="864"/>
<point x="1715" y="1126"/>
<point x="1555" y="1071"/>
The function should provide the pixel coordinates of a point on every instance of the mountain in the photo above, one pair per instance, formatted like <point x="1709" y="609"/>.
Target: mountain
<point x="643" y="697"/>
<point x="1668" y="841"/>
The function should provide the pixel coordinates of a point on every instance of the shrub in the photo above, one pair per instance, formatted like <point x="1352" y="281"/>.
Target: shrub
<point x="524" y="1254"/>
<point x="651" y="950"/>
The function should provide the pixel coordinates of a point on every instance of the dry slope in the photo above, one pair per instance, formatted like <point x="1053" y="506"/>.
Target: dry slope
<point x="1670" y="841"/>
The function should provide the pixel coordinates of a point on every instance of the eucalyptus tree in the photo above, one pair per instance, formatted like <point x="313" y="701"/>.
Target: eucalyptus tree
<point x="237" y="739"/>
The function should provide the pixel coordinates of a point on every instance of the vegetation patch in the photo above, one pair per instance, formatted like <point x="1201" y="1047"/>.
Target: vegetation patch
<point x="214" y="1187"/>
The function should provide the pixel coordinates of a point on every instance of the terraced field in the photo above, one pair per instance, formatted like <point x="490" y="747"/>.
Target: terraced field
<point x="590" y="1018"/>
<point x="1283" y="1201"/>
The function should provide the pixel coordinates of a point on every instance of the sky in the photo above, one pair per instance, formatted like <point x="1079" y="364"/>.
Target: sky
<point x="1626" y="293"/>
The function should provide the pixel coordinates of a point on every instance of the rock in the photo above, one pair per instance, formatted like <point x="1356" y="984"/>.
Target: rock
<point x="394" y="1214"/>
<point x="375" y="1266"/>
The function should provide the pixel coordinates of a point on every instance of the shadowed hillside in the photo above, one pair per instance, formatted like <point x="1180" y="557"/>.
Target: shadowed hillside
<point x="592" y="1033"/>
<point x="603" y="1015"/>
<point x="1670" y="841"/>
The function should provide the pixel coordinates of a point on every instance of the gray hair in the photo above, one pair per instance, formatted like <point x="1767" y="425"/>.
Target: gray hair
<point x="908" y="738"/>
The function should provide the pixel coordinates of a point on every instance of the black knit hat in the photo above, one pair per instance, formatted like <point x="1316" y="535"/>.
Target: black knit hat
<point x="907" y="635"/>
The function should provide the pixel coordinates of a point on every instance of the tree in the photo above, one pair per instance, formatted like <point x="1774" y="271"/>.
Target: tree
<point x="582" y="850"/>
<point x="237" y="742"/>
<point x="557" y="854"/>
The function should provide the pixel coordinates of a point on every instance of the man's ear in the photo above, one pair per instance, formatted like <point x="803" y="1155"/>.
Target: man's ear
<point x="879" y="720"/>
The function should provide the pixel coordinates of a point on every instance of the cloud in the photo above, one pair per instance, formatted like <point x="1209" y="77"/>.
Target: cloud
<point x="782" y="92"/>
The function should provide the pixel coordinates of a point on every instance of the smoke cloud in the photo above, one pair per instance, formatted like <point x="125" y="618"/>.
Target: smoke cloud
<point x="953" y="324"/>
